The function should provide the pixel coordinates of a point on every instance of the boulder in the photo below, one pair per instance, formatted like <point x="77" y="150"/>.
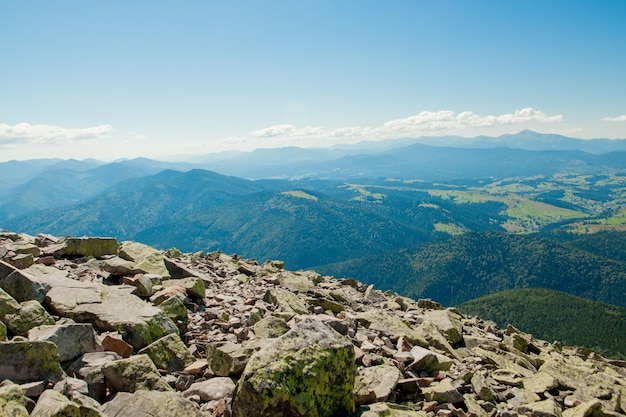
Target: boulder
<point x="297" y="375"/>
<point x="30" y="315"/>
<point x="285" y="301"/>
<point x="89" y="368"/>
<point x="12" y="401"/>
<point x="149" y="404"/>
<point x="175" y="310"/>
<point x="3" y="332"/>
<point x="142" y="284"/>
<point x="24" y="362"/>
<point x="270" y="327"/>
<point x="114" y="343"/>
<point x="382" y="379"/>
<point x="429" y="361"/>
<point x="388" y="410"/>
<point x="443" y="392"/>
<point x="482" y="387"/>
<point x="132" y="374"/>
<point x="52" y="403"/>
<point x="146" y="258"/>
<point x="169" y="353"/>
<point x="22" y="261"/>
<point x="193" y="286"/>
<point x="448" y="322"/>
<point x="211" y="389"/>
<point x="228" y="359"/>
<point x="73" y="340"/>
<point x="591" y="408"/>
<point x="88" y="246"/>
<point x="120" y="267"/>
<point x="8" y="304"/>
<point x="33" y="283"/>
<point x="546" y="408"/>
<point x="111" y="309"/>
<point x="390" y="325"/>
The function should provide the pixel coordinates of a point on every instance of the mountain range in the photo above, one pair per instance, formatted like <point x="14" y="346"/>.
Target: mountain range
<point x="449" y="218"/>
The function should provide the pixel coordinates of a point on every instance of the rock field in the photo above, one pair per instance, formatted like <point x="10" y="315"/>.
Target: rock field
<point x="94" y="327"/>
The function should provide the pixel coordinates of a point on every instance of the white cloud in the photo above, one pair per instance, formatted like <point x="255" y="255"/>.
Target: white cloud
<point x="422" y="124"/>
<point x="40" y="133"/>
<point x="621" y="118"/>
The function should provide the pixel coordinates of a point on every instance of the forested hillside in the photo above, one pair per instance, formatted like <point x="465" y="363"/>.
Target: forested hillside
<point x="468" y="266"/>
<point x="555" y="315"/>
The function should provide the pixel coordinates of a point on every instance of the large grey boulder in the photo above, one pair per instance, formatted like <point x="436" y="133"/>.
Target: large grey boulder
<point x="31" y="314"/>
<point x="89" y="368"/>
<point x="389" y="325"/>
<point x="32" y="283"/>
<point x="23" y="362"/>
<point x="285" y="301"/>
<point x="448" y="322"/>
<point x="8" y="304"/>
<point x="149" y="404"/>
<point x="211" y="389"/>
<point x="146" y="258"/>
<point x="87" y="246"/>
<point x="110" y="309"/>
<point x="169" y="353"/>
<point x="73" y="340"/>
<point x="298" y="375"/>
<point x="228" y="359"/>
<point x="134" y="373"/>
<point x="52" y="403"/>
<point x="388" y="410"/>
<point x="382" y="379"/>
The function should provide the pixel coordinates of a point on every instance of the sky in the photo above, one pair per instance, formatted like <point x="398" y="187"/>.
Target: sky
<point x="171" y="79"/>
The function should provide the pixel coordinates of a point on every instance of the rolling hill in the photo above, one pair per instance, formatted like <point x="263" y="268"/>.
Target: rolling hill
<point x="555" y="315"/>
<point x="471" y="265"/>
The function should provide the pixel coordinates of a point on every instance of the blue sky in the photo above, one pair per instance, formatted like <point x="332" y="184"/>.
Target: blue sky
<point x="163" y="78"/>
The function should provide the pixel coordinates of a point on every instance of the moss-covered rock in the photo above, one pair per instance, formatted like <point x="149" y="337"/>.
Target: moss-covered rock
<point x="388" y="410"/>
<point x="30" y="361"/>
<point x="285" y="301"/>
<point x="150" y="403"/>
<point x="169" y="353"/>
<point x="390" y="325"/>
<point x="52" y="403"/>
<point x="8" y="304"/>
<point x="146" y="258"/>
<point x="228" y="359"/>
<point x="30" y="315"/>
<point x="12" y="401"/>
<point x="72" y="339"/>
<point x="3" y="332"/>
<point x="270" y="327"/>
<point x="175" y="310"/>
<point x="111" y="309"/>
<point x="134" y="373"/>
<point x="297" y="375"/>
<point x="89" y="246"/>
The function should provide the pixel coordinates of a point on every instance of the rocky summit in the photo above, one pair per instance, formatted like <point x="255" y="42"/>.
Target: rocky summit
<point x="94" y="327"/>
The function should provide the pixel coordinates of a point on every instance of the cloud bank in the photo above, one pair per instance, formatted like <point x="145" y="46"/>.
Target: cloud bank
<point x="422" y="124"/>
<point x="621" y="118"/>
<point x="40" y="133"/>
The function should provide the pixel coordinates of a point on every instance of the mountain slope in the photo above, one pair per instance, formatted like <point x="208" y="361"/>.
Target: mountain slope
<point x="471" y="265"/>
<point x="140" y="203"/>
<point x="555" y="315"/>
